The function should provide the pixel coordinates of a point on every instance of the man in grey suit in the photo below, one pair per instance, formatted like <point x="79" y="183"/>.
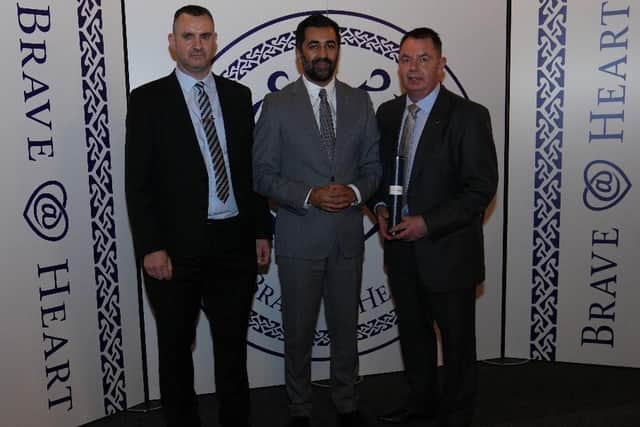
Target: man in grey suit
<point x="316" y="156"/>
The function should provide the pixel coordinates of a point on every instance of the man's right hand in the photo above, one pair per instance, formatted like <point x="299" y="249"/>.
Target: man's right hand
<point x="158" y="265"/>
<point x="382" y="214"/>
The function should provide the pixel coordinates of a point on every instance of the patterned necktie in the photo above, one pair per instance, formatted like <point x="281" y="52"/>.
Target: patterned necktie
<point x="407" y="131"/>
<point x="217" y="158"/>
<point x="404" y="149"/>
<point x="327" y="133"/>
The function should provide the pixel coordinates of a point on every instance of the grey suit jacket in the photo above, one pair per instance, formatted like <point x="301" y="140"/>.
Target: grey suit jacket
<point x="289" y="159"/>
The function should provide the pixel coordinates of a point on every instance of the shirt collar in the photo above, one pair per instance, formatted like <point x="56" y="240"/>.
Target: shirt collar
<point x="426" y="103"/>
<point x="314" y="89"/>
<point x="187" y="82"/>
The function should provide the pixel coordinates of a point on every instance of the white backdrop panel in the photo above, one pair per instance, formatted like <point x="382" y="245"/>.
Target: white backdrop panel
<point x="68" y="311"/>
<point x="475" y="52"/>
<point x="574" y="161"/>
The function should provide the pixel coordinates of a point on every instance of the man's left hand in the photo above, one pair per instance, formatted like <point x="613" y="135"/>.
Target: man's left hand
<point x="411" y="228"/>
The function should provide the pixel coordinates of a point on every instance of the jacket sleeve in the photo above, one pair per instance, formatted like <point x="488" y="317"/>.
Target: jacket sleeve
<point x="139" y="175"/>
<point x="267" y="157"/>
<point x="369" y="167"/>
<point x="475" y="167"/>
<point x="262" y="215"/>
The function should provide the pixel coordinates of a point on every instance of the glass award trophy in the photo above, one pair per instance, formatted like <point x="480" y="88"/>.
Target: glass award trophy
<point x="396" y="191"/>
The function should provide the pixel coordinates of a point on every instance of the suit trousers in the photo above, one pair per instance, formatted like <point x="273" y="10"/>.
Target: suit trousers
<point x="453" y="312"/>
<point x="221" y="283"/>
<point x="304" y="283"/>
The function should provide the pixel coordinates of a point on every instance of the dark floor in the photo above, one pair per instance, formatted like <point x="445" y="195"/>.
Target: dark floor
<point x="537" y="394"/>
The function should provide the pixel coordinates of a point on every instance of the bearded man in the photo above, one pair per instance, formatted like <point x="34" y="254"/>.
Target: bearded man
<point x="316" y="156"/>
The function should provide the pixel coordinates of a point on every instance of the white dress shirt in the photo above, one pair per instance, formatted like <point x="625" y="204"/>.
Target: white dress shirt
<point x="314" y="96"/>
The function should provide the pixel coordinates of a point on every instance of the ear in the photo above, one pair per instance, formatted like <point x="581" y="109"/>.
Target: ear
<point x="441" y="71"/>
<point x="215" y="43"/>
<point x="443" y="63"/>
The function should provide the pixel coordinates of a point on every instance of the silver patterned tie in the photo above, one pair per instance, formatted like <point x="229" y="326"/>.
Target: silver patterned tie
<point x="217" y="157"/>
<point x="327" y="132"/>
<point x="404" y="148"/>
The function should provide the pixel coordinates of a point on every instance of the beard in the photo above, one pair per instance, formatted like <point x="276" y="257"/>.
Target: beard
<point x="319" y="69"/>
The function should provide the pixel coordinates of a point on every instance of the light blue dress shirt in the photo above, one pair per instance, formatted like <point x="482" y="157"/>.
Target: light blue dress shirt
<point x="217" y="209"/>
<point x="426" y="105"/>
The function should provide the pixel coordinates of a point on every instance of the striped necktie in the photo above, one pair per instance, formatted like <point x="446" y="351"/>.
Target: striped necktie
<point x="217" y="158"/>
<point x="327" y="133"/>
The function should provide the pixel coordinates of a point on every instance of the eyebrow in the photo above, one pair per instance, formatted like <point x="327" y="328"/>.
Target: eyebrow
<point x="193" y="33"/>
<point x="320" y="42"/>
<point x="417" y="56"/>
<point x="420" y="55"/>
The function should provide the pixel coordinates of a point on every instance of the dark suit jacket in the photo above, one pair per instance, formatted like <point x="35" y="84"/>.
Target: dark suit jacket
<point x="165" y="174"/>
<point x="453" y="179"/>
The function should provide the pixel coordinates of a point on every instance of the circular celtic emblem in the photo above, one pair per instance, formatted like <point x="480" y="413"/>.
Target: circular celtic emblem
<point x="263" y="59"/>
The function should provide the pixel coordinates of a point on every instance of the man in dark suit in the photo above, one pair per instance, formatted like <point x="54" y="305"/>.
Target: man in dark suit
<point x="435" y="256"/>
<point x="316" y="156"/>
<point x="197" y="225"/>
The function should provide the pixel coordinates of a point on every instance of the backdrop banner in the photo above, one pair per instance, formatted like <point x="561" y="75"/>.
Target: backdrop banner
<point x="574" y="236"/>
<point x="68" y="319"/>
<point x="256" y="47"/>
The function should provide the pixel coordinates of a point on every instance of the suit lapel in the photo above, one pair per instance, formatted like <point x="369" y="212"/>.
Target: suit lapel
<point x="432" y="132"/>
<point x="396" y="113"/>
<point x="178" y="119"/>
<point x="175" y="101"/>
<point x="302" y="116"/>
<point x="228" y="107"/>
<point x="345" y="109"/>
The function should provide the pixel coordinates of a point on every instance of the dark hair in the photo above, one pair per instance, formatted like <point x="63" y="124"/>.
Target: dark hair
<point x="193" y="10"/>
<point x="424" y="33"/>
<point x="317" y="21"/>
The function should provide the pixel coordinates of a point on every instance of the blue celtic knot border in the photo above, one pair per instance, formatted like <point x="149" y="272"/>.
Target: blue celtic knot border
<point x="97" y="139"/>
<point x="286" y="42"/>
<point x="273" y="329"/>
<point x="550" y="76"/>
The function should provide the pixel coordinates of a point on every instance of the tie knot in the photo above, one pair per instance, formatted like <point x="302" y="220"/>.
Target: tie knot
<point x="413" y="110"/>
<point x="199" y="87"/>
<point x="323" y="94"/>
